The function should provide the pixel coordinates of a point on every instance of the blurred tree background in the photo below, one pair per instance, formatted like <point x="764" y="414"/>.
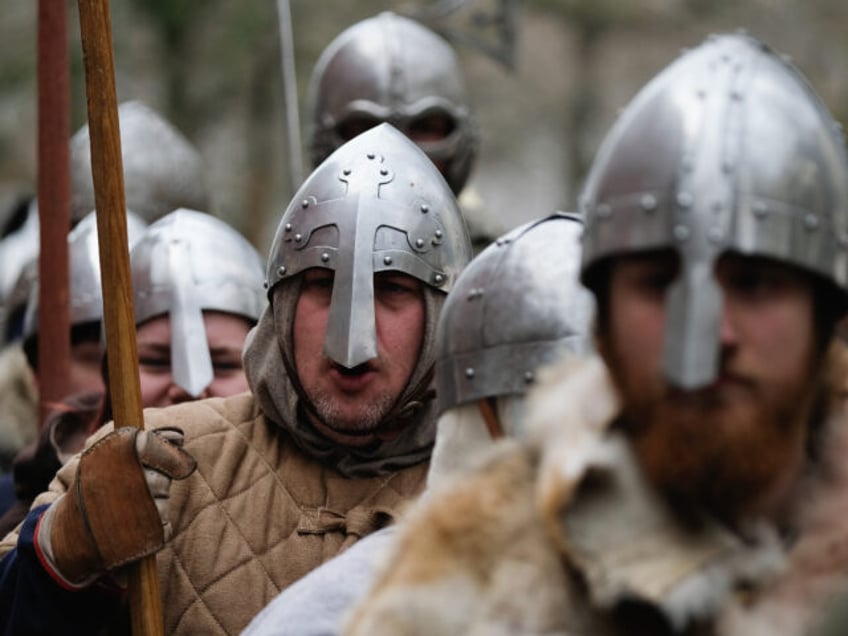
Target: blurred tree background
<point x="213" y="68"/>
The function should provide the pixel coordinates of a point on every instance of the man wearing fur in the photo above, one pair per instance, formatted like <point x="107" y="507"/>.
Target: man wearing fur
<point x="690" y="479"/>
<point x="534" y="266"/>
<point x="241" y="496"/>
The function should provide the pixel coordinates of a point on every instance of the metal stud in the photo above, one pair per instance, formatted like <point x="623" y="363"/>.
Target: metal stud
<point x="439" y="234"/>
<point x="298" y="238"/>
<point x="265" y="284"/>
<point x="370" y="155"/>
<point x="469" y="373"/>
<point x="325" y="257"/>
<point x="304" y="204"/>
<point x="346" y="172"/>
<point x="715" y="234"/>
<point x="438" y="279"/>
<point x="528" y="377"/>
<point x="387" y="260"/>
<point x="811" y="222"/>
<point x="281" y="270"/>
<point x="419" y="243"/>
<point x="425" y="208"/>
<point x="684" y="199"/>
<point x="288" y="227"/>
<point x="384" y="171"/>
<point x="648" y="202"/>
<point x="681" y="233"/>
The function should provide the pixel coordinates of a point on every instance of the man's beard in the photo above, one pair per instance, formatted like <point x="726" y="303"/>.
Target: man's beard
<point x="730" y="457"/>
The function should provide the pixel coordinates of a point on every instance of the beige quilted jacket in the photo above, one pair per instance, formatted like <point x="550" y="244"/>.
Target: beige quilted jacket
<point x="256" y="515"/>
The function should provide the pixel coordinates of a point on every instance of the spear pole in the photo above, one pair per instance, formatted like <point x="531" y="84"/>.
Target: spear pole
<point x="54" y="193"/>
<point x="295" y="147"/>
<point x="118" y="313"/>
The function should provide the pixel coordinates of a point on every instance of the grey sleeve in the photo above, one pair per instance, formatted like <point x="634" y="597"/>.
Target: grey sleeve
<point x="317" y="604"/>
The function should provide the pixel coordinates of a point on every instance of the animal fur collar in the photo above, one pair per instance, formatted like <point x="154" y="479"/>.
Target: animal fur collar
<point x="626" y="545"/>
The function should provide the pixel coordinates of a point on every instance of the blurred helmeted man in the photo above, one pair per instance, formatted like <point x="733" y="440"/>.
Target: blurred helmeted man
<point x="162" y="172"/>
<point x="691" y="479"/>
<point x="392" y="69"/>
<point x="85" y="316"/>
<point x="86" y="305"/>
<point x="197" y="292"/>
<point x="516" y="308"/>
<point x="193" y="309"/>
<point x="333" y="439"/>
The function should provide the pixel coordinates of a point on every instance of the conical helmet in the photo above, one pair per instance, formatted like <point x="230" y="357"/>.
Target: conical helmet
<point x="188" y="262"/>
<point x="727" y="149"/>
<point x="86" y="291"/>
<point x="518" y="306"/>
<point x="162" y="170"/>
<point x="376" y="204"/>
<point x="392" y="69"/>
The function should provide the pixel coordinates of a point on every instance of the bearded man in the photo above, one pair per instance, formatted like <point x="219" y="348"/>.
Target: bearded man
<point x="690" y="479"/>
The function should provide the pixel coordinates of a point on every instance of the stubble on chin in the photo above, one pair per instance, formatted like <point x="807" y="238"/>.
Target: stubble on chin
<point x="365" y="419"/>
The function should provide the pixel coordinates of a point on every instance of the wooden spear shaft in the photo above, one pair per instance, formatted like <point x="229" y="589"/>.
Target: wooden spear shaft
<point x="118" y="314"/>
<point x="54" y="194"/>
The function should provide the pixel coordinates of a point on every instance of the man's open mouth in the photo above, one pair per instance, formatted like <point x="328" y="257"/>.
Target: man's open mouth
<point x="359" y="369"/>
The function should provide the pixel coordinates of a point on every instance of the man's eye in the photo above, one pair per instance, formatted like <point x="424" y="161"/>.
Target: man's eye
<point x="155" y="362"/>
<point x="323" y="283"/>
<point x="657" y="281"/>
<point x="756" y="283"/>
<point x="392" y="287"/>
<point x="226" y="366"/>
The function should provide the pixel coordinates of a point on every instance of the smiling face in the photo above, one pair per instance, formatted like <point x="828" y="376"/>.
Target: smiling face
<point x="225" y="334"/>
<point x="351" y="403"/>
<point x="733" y="444"/>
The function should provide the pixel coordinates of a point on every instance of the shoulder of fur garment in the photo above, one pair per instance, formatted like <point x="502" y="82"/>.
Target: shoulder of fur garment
<point x="817" y="573"/>
<point x="496" y="552"/>
<point x="18" y="404"/>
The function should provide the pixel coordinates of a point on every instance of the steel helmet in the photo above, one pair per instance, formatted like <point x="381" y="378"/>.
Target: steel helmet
<point x="188" y="262"/>
<point x="376" y="204"/>
<point x="516" y="307"/>
<point x="727" y="149"/>
<point x="392" y="69"/>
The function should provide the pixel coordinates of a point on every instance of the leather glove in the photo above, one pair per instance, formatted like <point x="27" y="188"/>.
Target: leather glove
<point x="116" y="510"/>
